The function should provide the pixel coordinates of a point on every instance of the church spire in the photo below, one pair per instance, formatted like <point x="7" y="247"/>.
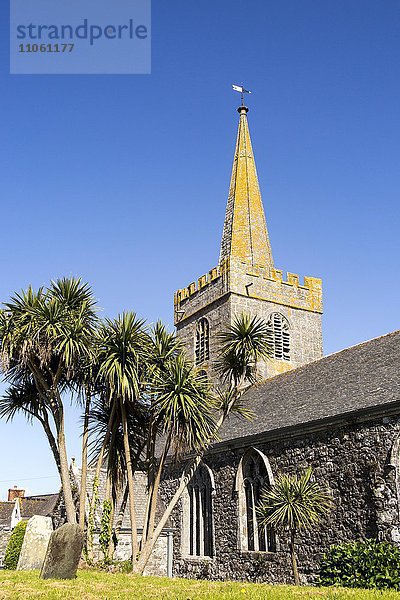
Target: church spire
<point x="245" y="235"/>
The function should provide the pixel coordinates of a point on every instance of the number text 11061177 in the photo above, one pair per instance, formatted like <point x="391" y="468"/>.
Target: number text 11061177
<point x="46" y="47"/>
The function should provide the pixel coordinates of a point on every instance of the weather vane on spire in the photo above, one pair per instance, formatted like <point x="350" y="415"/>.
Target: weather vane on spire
<point x="242" y="90"/>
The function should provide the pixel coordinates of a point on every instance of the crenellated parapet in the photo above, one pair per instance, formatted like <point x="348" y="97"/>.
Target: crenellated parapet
<point x="202" y="282"/>
<point x="263" y="283"/>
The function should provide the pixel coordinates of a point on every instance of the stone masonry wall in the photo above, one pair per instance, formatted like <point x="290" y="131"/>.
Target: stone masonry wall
<point x="158" y="562"/>
<point x="240" y="289"/>
<point x="5" y="533"/>
<point x="305" y="332"/>
<point x="219" y="317"/>
<point x="353" y="460"/>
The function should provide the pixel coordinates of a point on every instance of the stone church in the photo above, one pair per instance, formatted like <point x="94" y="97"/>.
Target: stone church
<point x="339" y="414"/>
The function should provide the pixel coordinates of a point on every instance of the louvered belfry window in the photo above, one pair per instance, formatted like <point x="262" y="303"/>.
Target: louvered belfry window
<point x="202" y="341"/>
<point x="279" y="336"/>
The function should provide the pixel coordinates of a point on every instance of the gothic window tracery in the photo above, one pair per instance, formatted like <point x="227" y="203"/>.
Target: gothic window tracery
<point x="198" y="526"/>
<point x="202" y="341"/>
<point x="253" y="476"/>
<point x="279" y="336"/>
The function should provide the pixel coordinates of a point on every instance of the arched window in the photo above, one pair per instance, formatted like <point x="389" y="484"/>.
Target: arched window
<point x="202" y="341"/>
<point x="254" y="472"/>
<point x="279" y="336"/>
<point x="198" y="535"/>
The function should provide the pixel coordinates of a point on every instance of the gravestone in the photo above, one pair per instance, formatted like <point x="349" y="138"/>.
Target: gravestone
<point x="63" y="553"/>
<point x="34" y="546"/>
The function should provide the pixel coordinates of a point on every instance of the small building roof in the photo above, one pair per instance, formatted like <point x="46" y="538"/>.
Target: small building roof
<point x="6" y="509"/>
<point x="43" y="506"/>
<point x="352" y="382"/>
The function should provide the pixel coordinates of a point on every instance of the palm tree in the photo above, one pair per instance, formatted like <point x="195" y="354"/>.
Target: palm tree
<point x="123" y="355"/>
<point x="45" y="336"/>
<point x="243" y="344"/>
<point x="23" y="398"/>
<point x="182" y="414"/>
<point x="292" y="503"/>
<point x="112" y="453"/>
<point x="87" y="389"/>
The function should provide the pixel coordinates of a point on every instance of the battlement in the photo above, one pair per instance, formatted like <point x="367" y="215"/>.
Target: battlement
<point x="313" y="284"/>
<point x="202" y="282"/>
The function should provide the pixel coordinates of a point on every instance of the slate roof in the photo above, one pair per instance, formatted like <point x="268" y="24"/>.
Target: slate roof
<point x="6" y="509"/>
<point x="350" y="382"/>
<point x="38" y="505"/>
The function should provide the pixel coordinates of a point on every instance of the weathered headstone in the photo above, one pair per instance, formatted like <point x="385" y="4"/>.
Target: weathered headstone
<point x="34" y="546"/>
<point x="63" y="553"/>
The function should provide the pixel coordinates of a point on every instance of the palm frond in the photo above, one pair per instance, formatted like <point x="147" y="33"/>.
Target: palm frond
<point x="123" y="348"/>
<point x="228" y="400"/>
<point x="242" y="345"/>
<point x="294" y="502"/>
<point x="23" y="399"/>
<point x="184" y="405"/>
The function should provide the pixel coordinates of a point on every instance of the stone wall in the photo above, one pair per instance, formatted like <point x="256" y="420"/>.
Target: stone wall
<point x="218" y="315"/>
<point x="5" y="533"/>
<point x="305" y="332"/>
<point x="353" y="460"/>
<point x="158" y="562"/>
<point x="239" y="289"/>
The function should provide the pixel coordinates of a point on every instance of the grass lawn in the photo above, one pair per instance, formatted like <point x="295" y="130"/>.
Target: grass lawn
<point x="95" y="584"/>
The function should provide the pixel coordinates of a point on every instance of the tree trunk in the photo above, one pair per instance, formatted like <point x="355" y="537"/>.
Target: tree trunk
<point x="148" y="526"/>
<point x="93" y="500"/>
<point x="124" y="501"/>
<point x="189" y="471"/>
<point x="120" y="518"/>
<point x="130" y="481"/>
<point x="293" y="557"/>
<point x="51" y="439"/>
<point x="109" y="431"/>
<point x="65" y="478"/>
<point x="150" y="446"/>
<point x="83" y="493"/>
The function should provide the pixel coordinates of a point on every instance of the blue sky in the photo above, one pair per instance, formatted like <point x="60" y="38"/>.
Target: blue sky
<point x="123" y="179"/>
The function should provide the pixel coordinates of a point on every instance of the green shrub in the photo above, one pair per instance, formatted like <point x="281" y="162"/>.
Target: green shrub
<point x="367" y="564"/>
<point x="14" y="545"/>
<point x="106" y="529"/>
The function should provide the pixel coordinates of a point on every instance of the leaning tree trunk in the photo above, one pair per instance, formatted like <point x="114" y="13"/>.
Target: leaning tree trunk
<point x="83" y="493"/>
<point x="190" y="469"/>
<point x="65" y="478"/>
<point x="293" y="557"/>
<point x="130" y="481"/>
<point x="148" y="526"/>
<point x="124" y="502"/>
<point x="145" y="554"/>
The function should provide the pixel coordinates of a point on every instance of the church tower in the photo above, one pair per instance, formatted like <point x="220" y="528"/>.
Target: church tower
<point x="246" y="280"/>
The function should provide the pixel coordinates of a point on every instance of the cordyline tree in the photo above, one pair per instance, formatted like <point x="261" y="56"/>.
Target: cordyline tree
<point x="138" y="390"/>
<point x="191" y="415"/>
<point x="150" y="387"/>
<point x="293" y="503"/>
<point x="46" y="335"/>
<point x="146" y="373"/>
